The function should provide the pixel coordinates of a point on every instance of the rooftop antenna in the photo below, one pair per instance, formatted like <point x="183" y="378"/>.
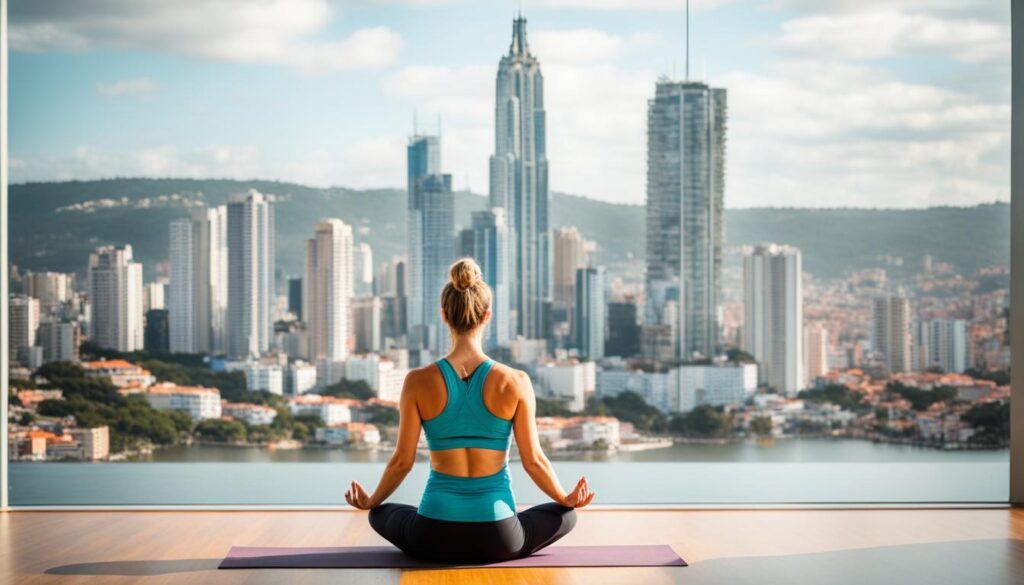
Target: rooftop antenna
<point x="415" y="126"/>
<point x="687" y="40"/>
<point x="439" y="126"/>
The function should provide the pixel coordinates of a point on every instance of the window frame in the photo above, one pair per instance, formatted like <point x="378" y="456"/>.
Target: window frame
<point x="1016" y="497"/>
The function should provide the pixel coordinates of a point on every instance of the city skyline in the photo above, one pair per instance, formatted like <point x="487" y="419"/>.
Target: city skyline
<point x="925" y="118"/>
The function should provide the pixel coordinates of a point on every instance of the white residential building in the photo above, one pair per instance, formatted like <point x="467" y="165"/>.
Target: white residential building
<point x="201" y="403"/>
<point x="333" y="411"/>
<point x="59" y="341"/>
<point x="250" y="235"/>
<point x="301" y="378"/>
<point x="352" y="433"/>
<point x="266" y="377"/>
<point x="815" y="352"/>
<point x="115" y="299"/>
<point x="53" y="289"/>
<point x="23" y="324"/>
<point x="890" y="333"/>
<point x="565" y="382"/>
<point x="382" y="375"/>
<point x="942" y="343"/>
<point x="653" y="387"/>
<point x="198" y="287"/>
<point x="327" y="293"/>
<point x="773" y="315"/>
<point x="252" y="414"/>
<point x="717" y="385"/>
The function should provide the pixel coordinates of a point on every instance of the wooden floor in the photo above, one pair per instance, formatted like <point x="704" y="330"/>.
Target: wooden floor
<point x="734" y="547"/>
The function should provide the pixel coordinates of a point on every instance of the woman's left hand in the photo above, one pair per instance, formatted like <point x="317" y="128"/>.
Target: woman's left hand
<point x="357" y="497"/>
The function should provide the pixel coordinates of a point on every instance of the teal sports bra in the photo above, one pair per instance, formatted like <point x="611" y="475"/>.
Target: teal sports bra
<point x="465" y="420"/>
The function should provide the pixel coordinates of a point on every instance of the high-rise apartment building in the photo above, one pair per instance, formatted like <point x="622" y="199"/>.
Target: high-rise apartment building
<point x="327" y="292"/>
<point x="198" y="293"/>
<point x="590" y="321"/>
<point x="815" y="351"/>
<point x="23" y="324"/>
<point x="59" y="340"/>
<point x="115" y="299"/>
<point x="250" y="268"/>
<point x="570" y="254"/>
<point x="519" y="180"/>
<point x="488" y="244"/>
<point x="53" y="289"/>
<point x="943" y="344"/>
<point x="431" y="213"/>
<point x="686" y="126"/>
<point x="367" y="313"/>
<point x="773" y="315"/>
<point x="890" y="332"/>
<point x="623" y="330"/>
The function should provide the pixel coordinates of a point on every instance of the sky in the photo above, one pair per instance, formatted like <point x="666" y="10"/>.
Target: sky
<point x="832" y="103"/>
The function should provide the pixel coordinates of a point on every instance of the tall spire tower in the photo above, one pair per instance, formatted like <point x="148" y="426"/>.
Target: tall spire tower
<point x="519" y="181"/>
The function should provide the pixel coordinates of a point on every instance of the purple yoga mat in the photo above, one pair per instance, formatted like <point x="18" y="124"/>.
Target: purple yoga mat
<point x="389" y="557"/>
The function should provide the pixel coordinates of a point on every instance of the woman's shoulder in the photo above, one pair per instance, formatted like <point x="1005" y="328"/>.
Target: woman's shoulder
<point x="509" y="377"/>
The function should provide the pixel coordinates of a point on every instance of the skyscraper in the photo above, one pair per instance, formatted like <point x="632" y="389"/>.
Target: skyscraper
<point x="570" y="254"/>
<point x="773" y="315"/>
<point x="623" y="330"/>
<point x="519" y="180"/>
<point x="942" y="343"/>
<point x="115" y="299"/>
<point x="23" y="324"/>
<point x="488" y="244"/>
<point x="198" y="288"/>
<point x="53" y="289"/>
<point x="590" y="321"/>
<point x="250" y="233"/>
<point x="431" y="242"/>
<point x="367" y="313"/>
<point x="686" y="125"/>
<point x="327" y="294"/>
<point x="890" y="332"/>
<point x="815" y="351"/>
<point x="182" y="303"/>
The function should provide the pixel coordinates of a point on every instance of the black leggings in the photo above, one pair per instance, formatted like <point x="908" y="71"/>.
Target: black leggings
<point x="472" y="542"/>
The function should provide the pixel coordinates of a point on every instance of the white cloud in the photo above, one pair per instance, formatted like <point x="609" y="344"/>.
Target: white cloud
<point x="830" y="134"/>
<point x="583" y="45"/>
<point x="137" y="86"/>
<point x="884" y="33"/>
<point x="677" y="5"/>
<point x="462" y="92"/>
<point x="278" y="32"/>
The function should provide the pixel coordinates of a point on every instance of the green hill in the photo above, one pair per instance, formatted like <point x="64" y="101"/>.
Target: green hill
<point x="54" y="226"/>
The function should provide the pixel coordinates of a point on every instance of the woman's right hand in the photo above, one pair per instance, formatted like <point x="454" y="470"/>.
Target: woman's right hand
<point x="580" y="495"/>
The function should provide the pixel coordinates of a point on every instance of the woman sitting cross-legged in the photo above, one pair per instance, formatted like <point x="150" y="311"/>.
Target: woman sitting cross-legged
<point x="468" y="405"/>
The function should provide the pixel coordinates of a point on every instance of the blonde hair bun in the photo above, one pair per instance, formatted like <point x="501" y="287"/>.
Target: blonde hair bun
<point x="464" y="274"/>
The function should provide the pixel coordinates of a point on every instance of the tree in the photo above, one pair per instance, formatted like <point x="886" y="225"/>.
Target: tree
<point x="548" y="407"/>
<point x="761" y="426"/>
<point x="919" y="398"/>
<point x="702" y="421"/>
<point x="222" y="431"/>
<point x="990" y="421"/>
<point x="344" y="388"/>
<point x="1000" y="377"/>
<point x="739" y="356"/>
<point x="629" y="407"/>
<point x="72" y="380"/>
<point x="381" y="415"/>
<point x="842" y="396"/>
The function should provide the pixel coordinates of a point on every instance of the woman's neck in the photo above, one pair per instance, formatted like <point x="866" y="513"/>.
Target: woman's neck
<point x="467" y="349"/>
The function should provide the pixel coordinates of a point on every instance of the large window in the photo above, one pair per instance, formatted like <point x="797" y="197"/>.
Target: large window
<point x="750" y="252"/>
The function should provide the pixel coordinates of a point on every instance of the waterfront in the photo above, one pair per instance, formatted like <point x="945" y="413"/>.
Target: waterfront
<point x="787" y="471"/>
